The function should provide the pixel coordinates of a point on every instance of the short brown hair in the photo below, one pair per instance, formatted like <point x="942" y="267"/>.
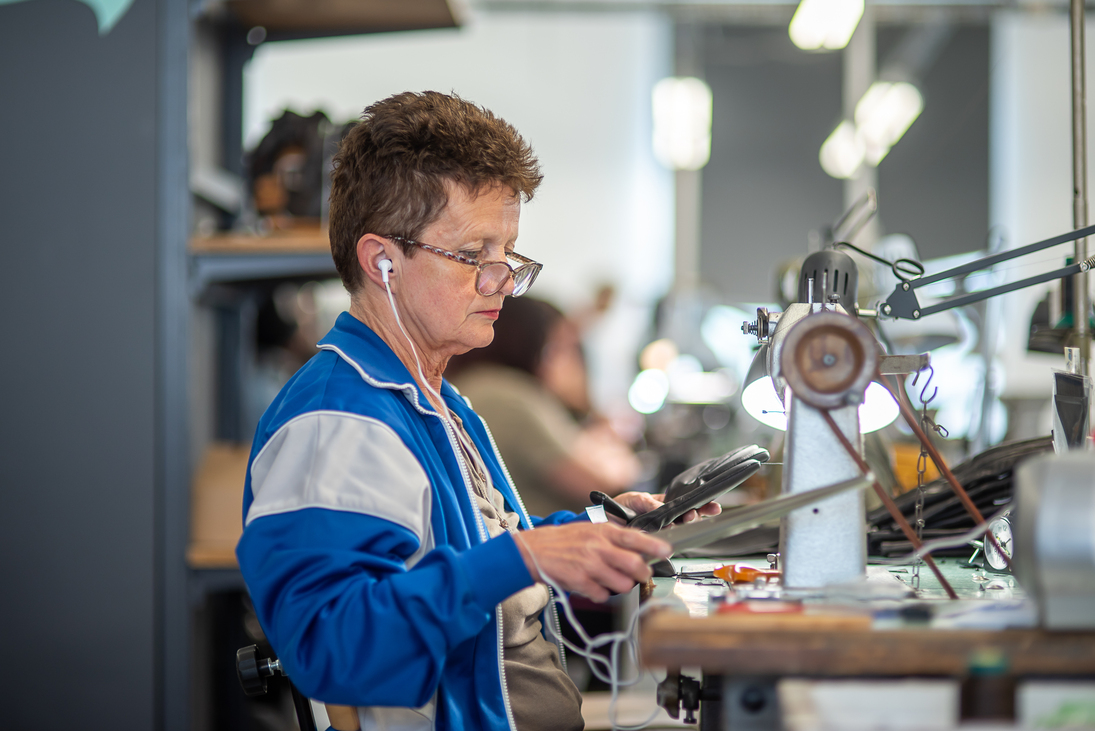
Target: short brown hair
<point x="390" y="172"/>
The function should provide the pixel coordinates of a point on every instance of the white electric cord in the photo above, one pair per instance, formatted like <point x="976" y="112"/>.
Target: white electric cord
<point x="446" y="416"/>
<point x="605" y="670"/>
<point x="414" y="352"/>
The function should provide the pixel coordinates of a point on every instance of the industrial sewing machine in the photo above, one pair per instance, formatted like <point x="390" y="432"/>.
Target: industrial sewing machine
<point x="821" y="360"/>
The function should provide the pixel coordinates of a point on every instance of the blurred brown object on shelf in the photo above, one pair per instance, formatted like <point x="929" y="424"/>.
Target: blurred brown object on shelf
<point x="289" y="170"/>
<point x="216" y="521"/>
<point x="300" y="239"/>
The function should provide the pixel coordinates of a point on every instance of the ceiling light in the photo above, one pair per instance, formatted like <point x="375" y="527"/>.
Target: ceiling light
<point x="842" y="153"/>
<point x="682" y="123"/>
<point x="883" y="115"/>
<point x="825" y="24"/>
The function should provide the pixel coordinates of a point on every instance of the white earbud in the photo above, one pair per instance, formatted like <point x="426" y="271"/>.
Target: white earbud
<point x="385" y="267"/>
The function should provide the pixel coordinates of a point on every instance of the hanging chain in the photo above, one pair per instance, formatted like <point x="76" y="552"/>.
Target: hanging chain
<point x="918" y="523"/>
<point x="927" y="424"/>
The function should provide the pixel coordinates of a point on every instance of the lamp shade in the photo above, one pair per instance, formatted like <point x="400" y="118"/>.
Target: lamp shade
<point x="759" y="399"/>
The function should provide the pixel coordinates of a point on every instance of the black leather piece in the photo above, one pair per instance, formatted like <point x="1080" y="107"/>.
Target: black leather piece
<point x="691" y="478"/>
<point x="663" y="568"/>
<point x="988" y="478"/>
<point x="701" y="484"/>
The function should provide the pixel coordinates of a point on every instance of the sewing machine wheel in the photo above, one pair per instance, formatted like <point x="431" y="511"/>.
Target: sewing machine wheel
<point x="828" y="359"/>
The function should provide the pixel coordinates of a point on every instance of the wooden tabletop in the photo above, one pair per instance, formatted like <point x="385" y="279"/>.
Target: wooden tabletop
<point x="842" y="646"/>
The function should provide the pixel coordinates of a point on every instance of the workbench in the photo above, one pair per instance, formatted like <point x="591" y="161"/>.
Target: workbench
<point x="986" y="640"/>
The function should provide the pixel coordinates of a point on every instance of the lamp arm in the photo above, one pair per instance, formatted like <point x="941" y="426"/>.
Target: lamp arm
<point x="902" y="303"/>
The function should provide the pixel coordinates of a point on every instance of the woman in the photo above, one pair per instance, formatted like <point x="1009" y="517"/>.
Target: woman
<point x="390" y="561"/>
<point x="530" y="385"/>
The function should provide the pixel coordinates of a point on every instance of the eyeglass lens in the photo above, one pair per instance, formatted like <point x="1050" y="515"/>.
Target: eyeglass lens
<point x="492" y="278"/>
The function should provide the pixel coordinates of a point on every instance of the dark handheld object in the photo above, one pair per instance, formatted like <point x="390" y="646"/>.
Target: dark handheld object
<point x="254" y="671"/>
<point x="692" y="488"/>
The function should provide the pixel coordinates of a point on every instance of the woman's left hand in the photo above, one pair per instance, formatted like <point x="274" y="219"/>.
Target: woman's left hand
<point x="644" y="502"/>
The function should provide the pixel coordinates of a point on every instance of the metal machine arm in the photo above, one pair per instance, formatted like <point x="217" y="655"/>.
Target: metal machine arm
<point x="903" y="303"/>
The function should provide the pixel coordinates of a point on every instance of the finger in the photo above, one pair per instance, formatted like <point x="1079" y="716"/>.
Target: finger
<point x="598" y="577"/>
<point x="588" y="587"/>
<point x="620" y="569"/>
<point x="688" y="517"/>
<point x="631" y="567"/>
<point x="620" y="580"/>
<point x="711" y="508"/>
<point x="640" y="502"/>
<point x="640" y="542"/>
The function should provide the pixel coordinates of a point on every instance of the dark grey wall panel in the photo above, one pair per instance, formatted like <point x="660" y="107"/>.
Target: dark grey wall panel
<point x="934" y="183"/>
<point x="77" y="427"/>
<point x="763" y="190"/>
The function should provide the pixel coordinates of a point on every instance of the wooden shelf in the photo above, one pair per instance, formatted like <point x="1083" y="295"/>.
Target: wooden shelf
<point x="216" y="504"/>
<point x="240" y="258"/>
<point x="334" y="16"/>
<point x="290" y="241"/>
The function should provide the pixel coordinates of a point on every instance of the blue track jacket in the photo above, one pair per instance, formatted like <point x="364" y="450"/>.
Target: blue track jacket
<point x="364" y="551"/>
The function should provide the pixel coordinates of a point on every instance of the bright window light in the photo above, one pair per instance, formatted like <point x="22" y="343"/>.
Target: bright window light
<point x="825" y="24"/>
<point x="648" y="391"/>
<point x="714" y="387"/>
<point x="682" y="123"/>
<point x="883" y="115"/>
<point x="759" y="399"/>
<point x="842" y="153"/>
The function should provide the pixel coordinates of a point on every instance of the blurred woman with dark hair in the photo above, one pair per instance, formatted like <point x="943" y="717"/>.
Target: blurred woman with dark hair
<point x="530" y="385"/>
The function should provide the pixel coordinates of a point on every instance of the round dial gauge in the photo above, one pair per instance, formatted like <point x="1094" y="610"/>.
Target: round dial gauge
<point x="1001" y="530"/>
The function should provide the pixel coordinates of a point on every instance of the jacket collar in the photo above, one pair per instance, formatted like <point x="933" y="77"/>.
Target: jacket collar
<point x="375" y="361"/>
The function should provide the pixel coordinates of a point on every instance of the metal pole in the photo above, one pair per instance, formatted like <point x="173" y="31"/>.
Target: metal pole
<point x="860" y="71"/>
<point x="688" y="61"/>
<point x="1082" y="335"/>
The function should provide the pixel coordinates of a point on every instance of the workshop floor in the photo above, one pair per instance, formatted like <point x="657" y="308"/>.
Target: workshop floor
<point x="632" y="709"/>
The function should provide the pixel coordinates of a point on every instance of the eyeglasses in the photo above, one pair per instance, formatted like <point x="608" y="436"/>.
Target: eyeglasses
<point x="491" y="276"/>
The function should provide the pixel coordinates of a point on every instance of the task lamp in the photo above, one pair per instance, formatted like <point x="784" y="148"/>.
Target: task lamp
<point x="821" y="361"/>
<point x="837" y="276"/>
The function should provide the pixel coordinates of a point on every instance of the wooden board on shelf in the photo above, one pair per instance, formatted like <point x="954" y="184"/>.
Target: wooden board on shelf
<point x="216" y="505"/>
<point x="289" y="241"/>
<point x="365" y="16"/>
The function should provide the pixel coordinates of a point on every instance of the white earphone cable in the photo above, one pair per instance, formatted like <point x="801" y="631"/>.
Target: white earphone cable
<point x="605" y="670"/>
<point x="414" y="351"/>
<point x="446" y="415"/>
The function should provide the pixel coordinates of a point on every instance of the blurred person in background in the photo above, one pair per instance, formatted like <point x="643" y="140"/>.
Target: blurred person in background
<point x="531" y="386"/>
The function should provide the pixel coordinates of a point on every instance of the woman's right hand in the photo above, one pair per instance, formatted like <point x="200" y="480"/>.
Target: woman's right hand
<point x="595" y="560"/>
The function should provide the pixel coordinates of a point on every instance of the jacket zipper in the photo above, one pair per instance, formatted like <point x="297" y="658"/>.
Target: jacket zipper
<point x="552" y="611"/>
<point x="479" y="524"/>
<point x="484" y="536"/>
